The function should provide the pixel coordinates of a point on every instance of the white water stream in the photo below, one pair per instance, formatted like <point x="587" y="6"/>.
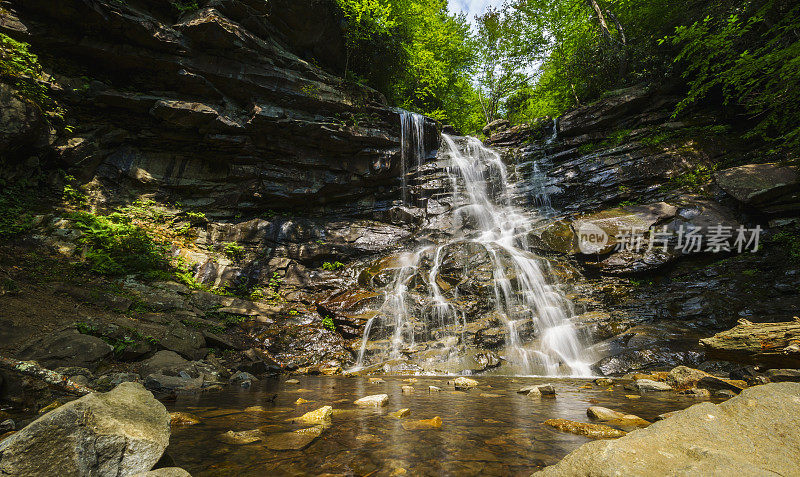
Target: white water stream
<point x="523" y="289"/>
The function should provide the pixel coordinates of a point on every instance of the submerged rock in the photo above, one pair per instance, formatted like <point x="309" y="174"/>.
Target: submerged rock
<point x="320" y="416"/>
<point x="616" y="418"/>
<point x="165" y="472"/>
<point x="183" y="419"/>
<point x="593" y="431"/>
<point x="538" y="390"/>
<point x="240" y="438"/>
<point x="295" y="440"/>
<point x="433" y="423"/>
<point x="755" y="433"/>
<point x="376" y="400"/>
<point x="401" y="413"/>
<point x="121" y="432"/>
<point x="461" y="383"/>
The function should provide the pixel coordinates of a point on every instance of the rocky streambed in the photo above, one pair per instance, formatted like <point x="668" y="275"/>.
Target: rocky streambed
<point x="421" y="425"/>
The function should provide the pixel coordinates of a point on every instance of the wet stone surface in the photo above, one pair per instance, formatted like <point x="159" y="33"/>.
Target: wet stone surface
<point x="487" y="430"/>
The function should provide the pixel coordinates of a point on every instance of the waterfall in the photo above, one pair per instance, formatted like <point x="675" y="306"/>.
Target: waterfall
<point x="539" y="179"/>
<point x="422" y="311"/>
<point x="412" y="145"/>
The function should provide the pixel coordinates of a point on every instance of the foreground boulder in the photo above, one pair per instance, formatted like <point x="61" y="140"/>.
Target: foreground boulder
<point x="755" y="433"/>
<point x="121" y="432"/>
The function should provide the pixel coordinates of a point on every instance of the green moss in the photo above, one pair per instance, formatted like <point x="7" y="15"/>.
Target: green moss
<point x="233" y="251"/>
<point x="694" y="179"/>
<point x="327" y="322"/>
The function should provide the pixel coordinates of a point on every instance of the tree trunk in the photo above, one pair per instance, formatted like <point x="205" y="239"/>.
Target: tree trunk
<point x="774" y="345"/>
<point x="623" y="57"/>
<point x="601" y="18"/>
<point x="51" y="378"/>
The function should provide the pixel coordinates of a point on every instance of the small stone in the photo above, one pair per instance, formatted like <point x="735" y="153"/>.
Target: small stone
<point x="7" y="426"/>
<point x="434" y="389"/>
<point x="461" y="383"/>
<point x="376" y="381"/>
<point x="411" y="380"/>
<point x="490" y="395"/>
<point x="633" y="396"/>
<point x="376" y="400"/>
<point x="697" y="392"/>
<point x="538" y="390"/>
<point x="320" y="416"/>
<point x="301" y="401"/>
<point x="183" y="419"/>
<point x="725" y="393"/>
<point x="616" y="418"/>
<point x="292" y="381"/>
<point x="407" y="389"/>
<point x="405" y="412"/>
<point x="433" y="423"/>
<point x="604" y="382"/>
<point x="592" y="431"/>
<point x="648" y="385"/>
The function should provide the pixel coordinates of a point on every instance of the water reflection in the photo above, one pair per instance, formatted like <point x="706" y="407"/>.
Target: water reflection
<point x="489" y="430"/>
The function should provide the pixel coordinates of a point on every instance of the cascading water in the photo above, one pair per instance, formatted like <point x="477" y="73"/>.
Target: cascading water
<point x="412" y="140"/>
<point x="427" y="314"/>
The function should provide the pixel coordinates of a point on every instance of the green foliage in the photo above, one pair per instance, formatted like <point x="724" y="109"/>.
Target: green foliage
<point x="184" y="6"/>
<point x="789" y="238"/>
<point x="751" y="58"/>
<point x="331" y="266"/>
<point x="115" y="246"/>
<point x="693" y="179"/>
<point x="233" y="251"/>
<point x="416" y="54"/>
<point x="21" y="67"/>
<point x="16" y="200"/>
<point x="72" y="194"/>
<point x="327" y="322"/>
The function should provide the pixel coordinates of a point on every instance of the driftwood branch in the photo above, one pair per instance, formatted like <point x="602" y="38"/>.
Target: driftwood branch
<point x="51" y="378"/>
<point x="774" y="345"/>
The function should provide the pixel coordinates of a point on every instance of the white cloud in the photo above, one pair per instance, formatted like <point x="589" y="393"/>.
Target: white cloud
<point x="472" y="7"/>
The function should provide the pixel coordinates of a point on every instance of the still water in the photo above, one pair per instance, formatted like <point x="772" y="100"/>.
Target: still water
<point x="489" y="430"/>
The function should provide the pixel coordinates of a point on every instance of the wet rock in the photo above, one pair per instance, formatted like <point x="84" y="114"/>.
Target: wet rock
<point x="769" y="187"/>
<point x="461" y="383"/>
<point x="7" y="426"/>
<point x="684" y="377"/>
<point x="593" y="431"/>
<point x="376" y="381"/>
<point x="241" y="438"/>
<point x="648" y="385"/>
<point x="292" y="381"/>
<point x="376" y="400"/>
<point x="401" y="413"/>
<point x="713" y="383"/>
<point x="538" y="390"/>
<point x="129" y="431"/>
<point x="433" y="423"/>
<point x="183" y="419"/>
<point x="604" y="382"/>
<point x="169" y="384"/>
<point x="724" y="393"/>
<point x="321" y="416"/>
<point x="696" y="392"/>
<point x="295" y="440"/>
<point x="67" y="348"/>
<point x="165" y="472"/>
<point x="243" y="379"/>
<point x="763" y="419"/>
<point x="407" y="389"/>
<point x="783" y="375"/>
<point x="301" y="401"/>
<point x="434" y="389"/>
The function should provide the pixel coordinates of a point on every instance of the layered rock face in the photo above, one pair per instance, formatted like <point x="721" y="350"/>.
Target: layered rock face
<point x="212" y="107"/>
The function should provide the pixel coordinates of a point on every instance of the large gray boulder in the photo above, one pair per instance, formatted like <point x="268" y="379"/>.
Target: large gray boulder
<point x="772" y="188"/>
<point x="755" y="433"/>
<point x="121" y="432"/>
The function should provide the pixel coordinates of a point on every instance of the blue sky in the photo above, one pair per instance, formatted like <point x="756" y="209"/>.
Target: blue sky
<point x="472" y="7"/>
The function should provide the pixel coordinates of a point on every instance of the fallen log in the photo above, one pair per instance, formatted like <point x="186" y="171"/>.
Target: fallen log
<point x="51" y="378"/>
<point x="773" y="345"/>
